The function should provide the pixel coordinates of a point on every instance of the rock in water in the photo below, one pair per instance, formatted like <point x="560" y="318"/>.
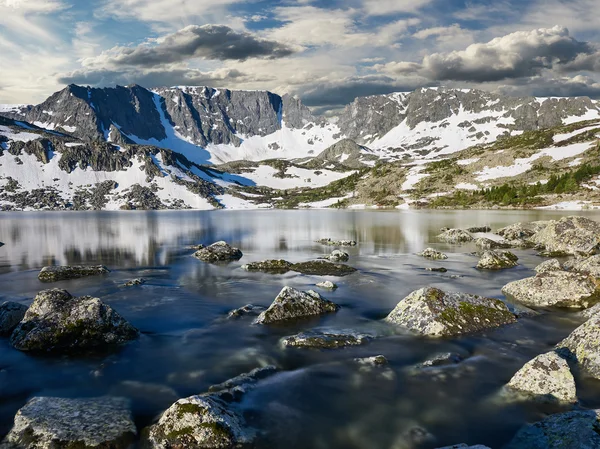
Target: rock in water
<point x="485" y="243"/>
<point x="548" y="265"/>
<point x="323" y="268"/>
<point x="433" y="312"/>
<point x="576" y="429"/>
<point x="555" y="288"/>
<point x="247" y="310"/>
<point x="330" y="242"/>
<point x="327" y="285"/>
<point x="569" y="235"/>
<point x="326" y="340"/>
<point x="464" y="446"/>
<point x="589" y="265"/>
<point x="276" y="266"/>
<point x="455" y="236"/>
<point x="432" y="254"/>
<point x="53" y="274"/>
<point x="547" y="377"/>
<point x="476" y="229"/>
<point x="497" y="260"/>
<point x="582" y="346"/>
<point x="339" y="256"/>
<point x="218" y="252"/>
<point x="245" y="381"/>
<point x="292" y="303"/>
<point x="58" y="322"/>
<point x="521" y="231"/>
<point x="59" y="423"/>
<point x="588" y="313"/>
<point x="133" y="282"/>
<point x="203" y="421"/>
<point x="1" y="244"/>
<point x="11" y="314"/>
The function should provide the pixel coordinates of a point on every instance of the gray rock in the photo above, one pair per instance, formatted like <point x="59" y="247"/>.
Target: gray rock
<point x="547" y="377"/>
<point x="548" y="265"/>
<point x="437" y="269"/>
<point x="476" y="229"/>
<point x="244" y="381"/>
<point x="133" y="282"/>
<point x="327" y="285"/>
<point x="330" y="242"/>
<point x="58" y="322"/>
<point x="570" y="430"/>
<point x="485" y="243"/>
<point x="446" y="358"/>
<point x="433" y="312"/>
<point x="247" y="310"/>
<point x="589" y="265"/>
<point x="326" y="340"/>
<point x="588" y="313"/>
<point x="55" y="423"/>
<point x="323" y="268"/>
<point x="522" y="231"/>
<point x="291" y="304"/>
<point x="377" y="360"/>
<point x="497" y="260"/>
<point x="582" y="346"/>
<point x="218" y="252"/>
<point x="11" y="314"/>
<point x="569" y="235"/>
<point x="555" y="288"/>
<point x="455" y="236"/>
<point x="54" y="273"/>
<point x="277" y="266"/>
<point x="338" y="256"/>
<point x="432" y="254"/>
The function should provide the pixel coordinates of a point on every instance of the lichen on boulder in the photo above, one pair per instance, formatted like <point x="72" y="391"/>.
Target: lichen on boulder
<point x="583" y="346"/>
<point x="11" y="314"/>
<point x="548" y="265"/>
<point x="589" y="265"/>
<point x="326" y="339"/>
<point x="497" y="260"/>
<point x="456" y="236"/>
<point x="218" y="252"/>
<point x="433" y="312"/>
<point x="61" y="273"/>
<point x="274" y="266"/>
<point x="339" y="256"/>
<point x="430" y="253"/>
<point x="291" y="304"/>
<point x="485" y="243"/>
<point x="58" y="322"/>
<point x="569" y="235"/>
<point x="323" y="268"/>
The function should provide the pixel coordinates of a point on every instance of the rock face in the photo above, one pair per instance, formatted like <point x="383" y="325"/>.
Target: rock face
<point x="589" y="265"/>
<point x="555" y="288"/>
<point x="497" y="260"/>
<point x="11" y="314"/>
<point x="455" y="236"/>
<point x="433" y="312"/>
<point x="278" y="266"/>
<point x="218" y="252"/>
<point x="59" y="423"/>
<point x="323" y="268"/>
<point x="576" y="429"/>
<point x="569" y="235"/>
<point x="547" y="377"/>
<point x="432" y="254"/>
<point x="53" y="274"/>
<point x="330" y="242"/>
<point x="326" y="340"/>
<point x="485" y="243"/>
<point x="58" y="322"/>
<point x="291" y="304"/>
<point x="346" y="152"/>
<point x="548" y="265"/>
<point x="338" y="256"/>
<point x="582" y="346"/>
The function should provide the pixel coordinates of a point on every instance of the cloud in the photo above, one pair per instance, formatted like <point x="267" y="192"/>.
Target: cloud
<point x="33" y="6"/>
<point x="577" y="86"/>
<point x="385" y="7"/>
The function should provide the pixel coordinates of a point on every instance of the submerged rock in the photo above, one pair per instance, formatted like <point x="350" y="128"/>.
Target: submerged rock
<point x="58" y="322"/>
<point x="432" y="254"/>
<point x="548" y="265"/>
<point x="485" y="243"/>
<point x="242" y="382"/>
<point x="323" y="268"/>
<point x="133" y="282"/>
<point x="456" y="236"/>
<point x="376" y="360"/>
<point x="326" y="340"/>
<point x="60" y="423"/>
<point x="555" y="288"/>
<point x="476" y="229"/>
<point x="582" y="346"/>
<point x="433" y="312"/>
<point x="464" y="446"/>
<point x="337" y="242"/>
<point x="547" y="377"/>
<point x="569" y="235"/>
<point x="589" y="265"/>
<point x="570" y="430"/>
<point x="339" y="256"/>
<point x="437" y="269"/>
<point x="11" y="314"/>
<point x="497" y="260"/>
<point x="446" y="358"/>
<point x="62" y="273"/>
<point x="327" y="285"/>
<point x="275" y="266"/>
<point x="218" y="252"/>
<point x="291" y="304"/>
<point x="247" y="310"/>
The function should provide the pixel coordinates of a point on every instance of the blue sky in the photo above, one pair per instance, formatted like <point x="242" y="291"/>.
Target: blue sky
<point x="326" y="52"/>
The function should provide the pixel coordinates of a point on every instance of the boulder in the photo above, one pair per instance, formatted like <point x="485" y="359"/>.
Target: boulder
<point x="291" y="304"/>
<point x="327" y="285"/>
<point x="476" y="229"/>
<point x="338" y="256"/>
<point x="1" y="244"/>
<point x="588" y="313"/>
<point x="497" y="260"/>
<point x="548" y="265"/>
<point x="62" y="273"/>
<point x="570" y="430"/>
<point x="218" y="252"/>
<point x="60" y="423"/>
<point x="432" y="254"/>
<point x="323" y="268"/>
<point x="485" y="243"/>
<point x="276" y="266"/>
<point x="582" y="346"/>
<point x="331" y="242"/>
<point x="547" y="377"/>
<point x="569" y="235"/>
<point x="133" y="282"/>
<point x="521" y="231"/>
<point x="456" y="236"/>
<point x="59" y="322"/>
<point x="556" y="289"/>
<point x="433" y="312"/>
<point x="247" y="310"/>
<point x="589" y="265"/>
<point x="326" y="340"/>
<point x="11" y="314"/>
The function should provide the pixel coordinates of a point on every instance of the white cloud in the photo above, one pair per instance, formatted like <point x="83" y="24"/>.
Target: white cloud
<point x="385" y="7"/>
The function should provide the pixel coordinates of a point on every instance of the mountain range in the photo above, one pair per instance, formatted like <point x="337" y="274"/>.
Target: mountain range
<point x="199" y="147"/>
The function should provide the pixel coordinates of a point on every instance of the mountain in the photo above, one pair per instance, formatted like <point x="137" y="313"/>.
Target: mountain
<point x="198" y="147"/>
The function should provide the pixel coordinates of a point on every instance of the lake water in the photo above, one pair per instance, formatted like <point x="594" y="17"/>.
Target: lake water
<point x="319" y="399"/>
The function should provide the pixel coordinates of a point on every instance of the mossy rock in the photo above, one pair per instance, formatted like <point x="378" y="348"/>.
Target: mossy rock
<point x="323" y="268"/>
<point x="61" y="273"/>
<point x="275" y="266"/>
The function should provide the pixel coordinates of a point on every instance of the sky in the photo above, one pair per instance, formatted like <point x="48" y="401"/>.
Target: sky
<point x="325" y="52"/>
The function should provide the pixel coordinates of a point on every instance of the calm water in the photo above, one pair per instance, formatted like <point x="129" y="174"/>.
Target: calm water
<point x="319" y="400"/>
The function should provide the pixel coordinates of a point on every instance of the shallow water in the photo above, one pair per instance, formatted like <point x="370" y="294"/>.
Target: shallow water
<point x="320" y="399"/>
